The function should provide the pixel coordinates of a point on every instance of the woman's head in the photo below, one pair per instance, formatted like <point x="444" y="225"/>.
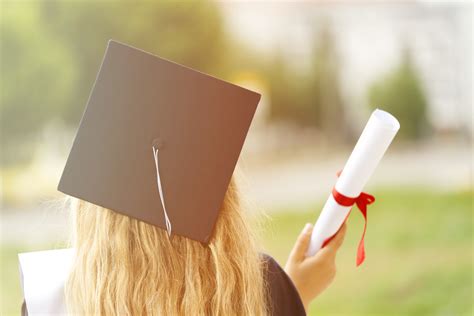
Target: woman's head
<point x="127" y="267"/>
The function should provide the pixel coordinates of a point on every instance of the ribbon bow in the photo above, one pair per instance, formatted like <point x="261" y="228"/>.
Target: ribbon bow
<point x="361" y="201"/>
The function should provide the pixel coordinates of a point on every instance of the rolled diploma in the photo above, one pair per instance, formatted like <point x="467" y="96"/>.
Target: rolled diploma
<point x="369" y="150"/>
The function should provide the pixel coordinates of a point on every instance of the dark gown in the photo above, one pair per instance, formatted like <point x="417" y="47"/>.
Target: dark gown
<point x="284" y="299"/>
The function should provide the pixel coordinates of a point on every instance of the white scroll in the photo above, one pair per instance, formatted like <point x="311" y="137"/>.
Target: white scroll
<point x="369" y="150"/>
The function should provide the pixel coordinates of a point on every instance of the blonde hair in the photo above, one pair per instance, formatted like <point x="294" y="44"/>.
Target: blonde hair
<point x="127" y="267"/>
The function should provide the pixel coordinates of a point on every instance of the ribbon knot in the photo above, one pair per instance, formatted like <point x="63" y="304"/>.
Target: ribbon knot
<point x="361" y="201"/>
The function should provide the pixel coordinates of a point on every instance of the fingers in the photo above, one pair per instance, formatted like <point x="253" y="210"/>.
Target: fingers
<point x="338" y="239"/>
<point x="299" y="249"/>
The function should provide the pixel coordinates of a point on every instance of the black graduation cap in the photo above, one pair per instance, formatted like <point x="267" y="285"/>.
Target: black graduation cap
<point x="158" y="142"/>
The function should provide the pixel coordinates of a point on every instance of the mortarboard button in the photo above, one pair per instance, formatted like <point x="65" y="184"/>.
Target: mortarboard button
<point x="158" y="143"/>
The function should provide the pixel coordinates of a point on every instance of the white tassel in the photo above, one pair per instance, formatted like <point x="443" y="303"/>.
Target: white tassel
<point x="160" y="190"/>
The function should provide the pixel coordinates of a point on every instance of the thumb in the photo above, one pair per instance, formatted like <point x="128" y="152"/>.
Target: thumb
<point x="298" y="253"/>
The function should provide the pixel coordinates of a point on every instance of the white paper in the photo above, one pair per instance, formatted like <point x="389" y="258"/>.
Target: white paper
<point x="43" y="275"/>
<point x="369" y="150"/>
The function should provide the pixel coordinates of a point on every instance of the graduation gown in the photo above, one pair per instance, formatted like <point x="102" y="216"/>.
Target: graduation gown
<point x="43" y="274"/>
<point x="283" y="297"/>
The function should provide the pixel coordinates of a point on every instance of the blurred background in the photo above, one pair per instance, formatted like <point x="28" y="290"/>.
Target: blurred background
<point x="321" y="67"/>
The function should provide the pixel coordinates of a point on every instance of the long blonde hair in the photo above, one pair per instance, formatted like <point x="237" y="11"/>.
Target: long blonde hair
<point x="127" y="267"/>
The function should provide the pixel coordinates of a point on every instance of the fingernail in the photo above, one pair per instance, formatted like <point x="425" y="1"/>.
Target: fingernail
<point x="307" y="228"/>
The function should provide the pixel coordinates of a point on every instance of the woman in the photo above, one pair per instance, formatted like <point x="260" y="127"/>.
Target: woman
<point x="158" y="144"/>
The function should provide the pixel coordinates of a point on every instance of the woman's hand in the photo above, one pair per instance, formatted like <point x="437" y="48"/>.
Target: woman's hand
<point x="312" y="275"/>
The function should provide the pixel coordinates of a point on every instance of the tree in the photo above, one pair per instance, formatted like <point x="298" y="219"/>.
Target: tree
<point x="51" y="51"/>
<point x="312" y="97"/>
<point x="327" y="99"/>
<point x="400" y="92"/>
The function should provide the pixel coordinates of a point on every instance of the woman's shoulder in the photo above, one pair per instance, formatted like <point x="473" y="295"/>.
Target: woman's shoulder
<point x="283" y="296"/>
<point x="43" y="275"/>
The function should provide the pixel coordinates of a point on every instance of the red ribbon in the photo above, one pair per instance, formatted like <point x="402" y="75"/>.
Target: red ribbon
<point x="361" y="201"/>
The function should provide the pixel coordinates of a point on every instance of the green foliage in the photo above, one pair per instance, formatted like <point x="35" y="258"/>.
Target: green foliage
<point x="38" y="75"/>
<point x="288" y="92"/>
<point x="325" y="83"/>
<point x="400" y="93"/>
<point x="51" y="51"/>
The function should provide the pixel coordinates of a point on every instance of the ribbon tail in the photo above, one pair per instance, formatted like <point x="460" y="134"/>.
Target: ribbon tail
<point x="361" y="249"/>
<point x="362" y="202"/>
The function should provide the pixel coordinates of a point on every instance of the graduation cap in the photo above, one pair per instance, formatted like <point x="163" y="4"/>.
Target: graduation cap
<point x="158" y="142"/>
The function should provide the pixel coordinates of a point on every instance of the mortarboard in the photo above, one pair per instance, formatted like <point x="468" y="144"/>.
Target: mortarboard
<point x="158" y="142"/>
